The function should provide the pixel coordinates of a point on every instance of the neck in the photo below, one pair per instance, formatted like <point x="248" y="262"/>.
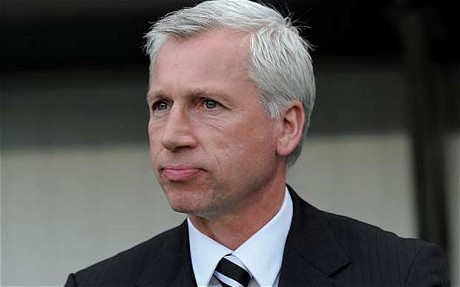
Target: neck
<point x="233" y="228"/>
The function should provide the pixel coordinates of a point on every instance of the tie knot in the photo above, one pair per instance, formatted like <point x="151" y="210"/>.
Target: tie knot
<point x="231" y="272"/>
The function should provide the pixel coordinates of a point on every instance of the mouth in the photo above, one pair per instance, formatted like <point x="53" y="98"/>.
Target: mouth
<point x="176" y="174"/>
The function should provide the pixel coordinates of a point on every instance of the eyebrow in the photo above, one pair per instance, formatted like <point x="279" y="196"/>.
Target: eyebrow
<point x="192" y="93"/>
<point x="204" y="93"/>
<point x="154" y="95"/>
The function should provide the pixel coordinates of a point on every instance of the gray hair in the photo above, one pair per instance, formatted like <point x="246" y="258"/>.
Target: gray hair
<point x="279" y="61"/>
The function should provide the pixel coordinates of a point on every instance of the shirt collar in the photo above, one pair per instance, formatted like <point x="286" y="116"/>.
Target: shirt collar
<point x="264" y="266"/>
<point x="205" y="253"/>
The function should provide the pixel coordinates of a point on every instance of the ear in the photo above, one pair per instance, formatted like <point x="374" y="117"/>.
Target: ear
<point x="291" y="127"/>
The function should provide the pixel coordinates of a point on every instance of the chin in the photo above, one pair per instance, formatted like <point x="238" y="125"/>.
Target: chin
<point x="183" y="202"/>
<point x="195" y="207"/>
<point x="187" y="199"/>
<point x="189" y="210"/>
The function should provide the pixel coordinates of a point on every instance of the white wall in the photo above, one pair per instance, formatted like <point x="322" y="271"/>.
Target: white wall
<point x="365" y="176"/>
<point x="65" y="209"/>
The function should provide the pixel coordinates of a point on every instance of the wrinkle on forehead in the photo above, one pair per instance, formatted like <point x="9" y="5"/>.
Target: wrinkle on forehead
<point x="220" y="42"/>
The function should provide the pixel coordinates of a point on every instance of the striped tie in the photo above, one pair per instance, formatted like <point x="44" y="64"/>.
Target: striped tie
<point x="230" y="272"/>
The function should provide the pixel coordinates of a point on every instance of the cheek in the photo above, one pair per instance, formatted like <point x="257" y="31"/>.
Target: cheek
<point x="154" y="132"/>
<point x="263" y="136"/>
<point x="247" y="146"/>
<point x="150" y="130"/>
<point x="154" y="142"/>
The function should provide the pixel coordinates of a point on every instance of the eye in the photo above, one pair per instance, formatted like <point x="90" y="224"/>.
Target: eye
<point x="160" y="105"/>
<point x="210" y="104"/>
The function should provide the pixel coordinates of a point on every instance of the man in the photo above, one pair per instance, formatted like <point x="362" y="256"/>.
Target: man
<point x="231" y="93"/>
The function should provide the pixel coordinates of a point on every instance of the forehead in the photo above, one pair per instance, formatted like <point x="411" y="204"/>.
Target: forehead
<point x="214" y="39"/>
<point x="219" y="47"/>
<point x="210" y="59"/>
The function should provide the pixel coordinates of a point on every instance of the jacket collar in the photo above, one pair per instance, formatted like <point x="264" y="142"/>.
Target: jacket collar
<point x="172" y="264"/>
<point x="312" y="254"/>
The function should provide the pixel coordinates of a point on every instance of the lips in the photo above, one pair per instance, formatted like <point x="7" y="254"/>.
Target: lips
<point x="180" y="173"/>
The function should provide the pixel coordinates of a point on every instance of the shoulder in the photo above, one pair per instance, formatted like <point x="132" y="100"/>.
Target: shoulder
<point x="353" y="234"/>
<point x="370" y="249"/>
<point x="127" y="266"/>
<point x="409" y="261"/>
<point x="369" y="255"/>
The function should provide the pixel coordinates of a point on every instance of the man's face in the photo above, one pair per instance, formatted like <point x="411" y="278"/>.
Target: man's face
<point x="212" y="146"/>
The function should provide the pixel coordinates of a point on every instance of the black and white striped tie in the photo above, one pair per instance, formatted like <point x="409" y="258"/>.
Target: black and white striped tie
<point x="230" y="274"/>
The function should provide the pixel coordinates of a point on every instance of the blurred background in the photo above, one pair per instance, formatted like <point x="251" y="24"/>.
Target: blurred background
<point x="76" y="180"/>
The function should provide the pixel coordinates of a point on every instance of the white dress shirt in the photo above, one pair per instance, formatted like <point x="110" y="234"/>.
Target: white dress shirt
<point x="262" y="253"/>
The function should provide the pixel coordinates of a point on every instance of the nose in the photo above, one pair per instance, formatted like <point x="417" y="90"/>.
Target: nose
<point x="178" y="131"/>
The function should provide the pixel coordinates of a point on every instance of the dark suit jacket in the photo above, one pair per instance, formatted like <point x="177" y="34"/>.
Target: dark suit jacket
<point x="322" y="249"/>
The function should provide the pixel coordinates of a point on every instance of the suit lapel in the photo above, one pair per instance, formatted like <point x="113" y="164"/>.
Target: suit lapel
<point x="173" y="266"/>
<point x="311" y="255"/>
<point x="185" y="277"/>
<point x="297" y="271"/>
